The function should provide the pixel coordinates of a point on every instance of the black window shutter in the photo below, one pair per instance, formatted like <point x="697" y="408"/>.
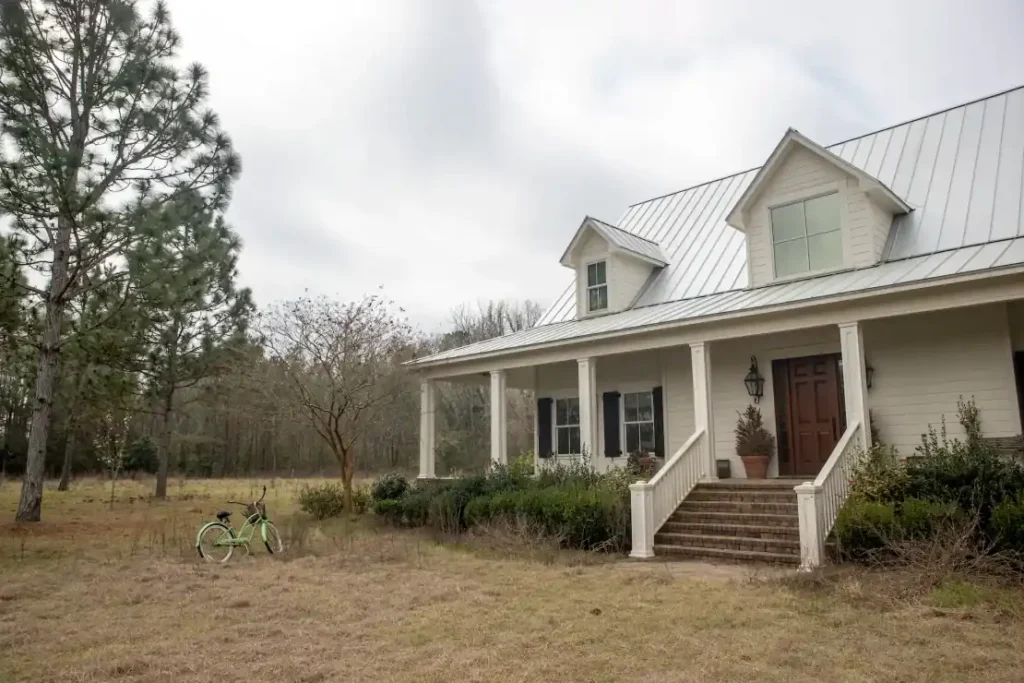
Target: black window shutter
<point x="611" y="424"/>
<point x="659" y="423"/>
<point x="544" y="427"/>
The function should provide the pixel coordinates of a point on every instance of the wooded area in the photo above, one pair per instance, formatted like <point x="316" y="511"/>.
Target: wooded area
<point x="126" y="342"/>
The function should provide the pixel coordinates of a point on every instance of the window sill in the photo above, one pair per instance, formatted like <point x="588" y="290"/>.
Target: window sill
<point x="811" y="274"/>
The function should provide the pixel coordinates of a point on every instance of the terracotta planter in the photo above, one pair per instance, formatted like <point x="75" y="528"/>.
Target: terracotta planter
<point x="755" y="465"/>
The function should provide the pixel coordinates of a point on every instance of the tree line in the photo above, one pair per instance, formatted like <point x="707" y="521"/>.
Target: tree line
<point x="126" y="342"/>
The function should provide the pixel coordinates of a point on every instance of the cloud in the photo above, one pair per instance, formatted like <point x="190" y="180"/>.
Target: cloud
<point x="448" y="150"/>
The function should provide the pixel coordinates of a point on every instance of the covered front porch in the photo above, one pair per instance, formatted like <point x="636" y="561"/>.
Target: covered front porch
<point x="823" y="388"/>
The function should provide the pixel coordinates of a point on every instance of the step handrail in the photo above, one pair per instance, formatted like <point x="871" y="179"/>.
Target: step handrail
<point x="820" y="501"/>
<point x="653" y="502"/>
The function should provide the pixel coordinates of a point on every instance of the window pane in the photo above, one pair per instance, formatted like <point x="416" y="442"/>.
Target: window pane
<point x="790" y="258"/>
<point x="602" y="297"/>
<point x="826" y="250"/>
<point x="788" y="222"/>
<point x="646" y="437"/>
<point x="574" y="439"/>
<point x="561" y="411"/>
<point x="563" y="441"/>
<point x="596" y="274"/>
<point x="574" y="411"/>
<point x="597" y="298"/>
<point x="632" y="438"/>
<point x="822" y="214"/>
<point x="629" y="412"/>
<point x="646" y="407"/>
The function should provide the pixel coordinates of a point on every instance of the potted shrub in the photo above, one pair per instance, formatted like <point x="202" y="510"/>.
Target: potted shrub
<point x="754" y="444"/>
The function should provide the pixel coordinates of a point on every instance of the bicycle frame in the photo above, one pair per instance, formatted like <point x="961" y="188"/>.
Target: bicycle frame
<point x="243" y="536"/>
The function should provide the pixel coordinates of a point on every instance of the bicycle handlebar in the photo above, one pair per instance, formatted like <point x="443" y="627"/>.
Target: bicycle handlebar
<point x="235" y="502"/>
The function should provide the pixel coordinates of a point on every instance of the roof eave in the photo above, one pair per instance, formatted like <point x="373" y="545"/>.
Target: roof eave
<point x="737" y="215"/>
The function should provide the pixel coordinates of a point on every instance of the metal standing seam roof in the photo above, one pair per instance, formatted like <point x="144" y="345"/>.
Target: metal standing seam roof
<point x="961" y="169"/>
<point x="627" y="241"/>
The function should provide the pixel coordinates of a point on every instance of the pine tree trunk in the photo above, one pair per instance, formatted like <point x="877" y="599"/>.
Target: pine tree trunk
<point x="47" y="372"/>
<point x="70" y="444"/>
<point x="164" y="446"/>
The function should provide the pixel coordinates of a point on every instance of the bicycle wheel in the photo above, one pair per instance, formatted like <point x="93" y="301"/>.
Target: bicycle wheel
<point x="214" y="543"/>
<point x="272" y="539"/>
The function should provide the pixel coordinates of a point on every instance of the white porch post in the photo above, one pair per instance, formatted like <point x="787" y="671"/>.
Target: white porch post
<point x="428" y="395"/>
<point x="812" y="550"/>
<point x="855" y="386"/>
<point x="641" y="507"/>
<point x="703" y="413"/>
<point x="499" y="418"/>
<point x="588" y="407"/>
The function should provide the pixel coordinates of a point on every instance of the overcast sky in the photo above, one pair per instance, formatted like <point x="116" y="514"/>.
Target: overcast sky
<point x="448" y="149"/>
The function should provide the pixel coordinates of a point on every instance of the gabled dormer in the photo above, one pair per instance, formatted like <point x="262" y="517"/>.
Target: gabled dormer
<point x="611" y="265"/>
<point x="807" y="212"/>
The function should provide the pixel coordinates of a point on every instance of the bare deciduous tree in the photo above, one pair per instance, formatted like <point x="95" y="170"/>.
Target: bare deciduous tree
<point x="342" y="363"/>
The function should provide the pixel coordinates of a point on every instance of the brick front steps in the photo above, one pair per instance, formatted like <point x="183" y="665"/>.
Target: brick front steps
<point x="735" y="521"/>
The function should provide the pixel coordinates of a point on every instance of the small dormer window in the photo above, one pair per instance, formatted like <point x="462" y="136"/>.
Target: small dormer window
<point x="597" y="287"/>
<point x="806" y="236"/>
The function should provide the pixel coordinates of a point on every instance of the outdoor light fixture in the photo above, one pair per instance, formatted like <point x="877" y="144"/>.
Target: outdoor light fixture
<point x="754" y="381"/>
<point x="870" y="373"/>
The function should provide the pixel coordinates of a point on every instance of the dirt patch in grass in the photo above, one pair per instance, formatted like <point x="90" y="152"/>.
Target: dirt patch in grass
<point x="356" y="602"/>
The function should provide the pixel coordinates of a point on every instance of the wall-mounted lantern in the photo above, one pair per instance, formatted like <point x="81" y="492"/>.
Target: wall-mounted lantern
<point x="869" y="373"/>
<point x="754" y="381"/>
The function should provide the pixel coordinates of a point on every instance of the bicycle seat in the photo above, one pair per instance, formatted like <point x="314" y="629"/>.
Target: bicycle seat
<point x="223" y="515"/>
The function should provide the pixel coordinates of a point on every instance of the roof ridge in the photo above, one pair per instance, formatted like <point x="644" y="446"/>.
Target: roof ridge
<point x="836" y="144"/>
<point x="624" y="231"/>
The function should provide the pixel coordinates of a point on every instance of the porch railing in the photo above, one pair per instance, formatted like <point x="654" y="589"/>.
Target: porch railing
<point x="819" y="501"/>
<point x="653" y="502"/>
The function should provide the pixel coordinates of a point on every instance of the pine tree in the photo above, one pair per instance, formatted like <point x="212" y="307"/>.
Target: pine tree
<point x="190" y="312"/>
<point x="98" y="130"/>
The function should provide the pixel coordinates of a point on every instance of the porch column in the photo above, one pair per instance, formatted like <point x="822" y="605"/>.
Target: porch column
<point x="855" y="386"/>
<point x="499" y="419"/>
<point x="703" y="412"/>
<point x="588" y="407"/>
<point x="428" y="394"/>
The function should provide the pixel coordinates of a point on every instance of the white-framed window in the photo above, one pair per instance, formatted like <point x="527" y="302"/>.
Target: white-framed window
<point x="567" y="426"/>
<point x="807" y="236"/>
<point x="597" y="286"/>
<point x="638" y="422"/>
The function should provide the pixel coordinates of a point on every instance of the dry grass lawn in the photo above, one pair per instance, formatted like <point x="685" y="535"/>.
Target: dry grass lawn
<point x="94" y="594"/>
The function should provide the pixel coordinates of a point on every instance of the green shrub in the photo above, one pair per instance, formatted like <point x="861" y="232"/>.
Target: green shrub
<point x="879" y="476"/>
<point x="391" y="486"/>
<point x="328" y="500"/>
<point x="923" y="519"/>
<point x="390" y="510"/>
<point x="863" y="527"/>
<point x="322" y="501"/>
<point x="970" y="473"/>
<point x="1007" y="525"/>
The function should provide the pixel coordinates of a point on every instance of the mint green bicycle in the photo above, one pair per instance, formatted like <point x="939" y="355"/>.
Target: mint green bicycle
<point x="216" y="541"/>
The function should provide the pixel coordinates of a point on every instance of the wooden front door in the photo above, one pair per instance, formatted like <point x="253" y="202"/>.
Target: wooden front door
<point x="812" y="419"/>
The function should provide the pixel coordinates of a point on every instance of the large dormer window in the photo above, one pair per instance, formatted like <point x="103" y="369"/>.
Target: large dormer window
<point x="807" y="236"/>
<point x="597" y="286"/>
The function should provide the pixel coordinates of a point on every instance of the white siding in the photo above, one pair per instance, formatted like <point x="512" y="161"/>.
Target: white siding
<point x="625" y="275"/>
<point x="628" y="276"/>
<point x="623" y="373"/>
<point x="804" y="174"/>
<point x="924" y="363"/>
<point x="730" y="362"/>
